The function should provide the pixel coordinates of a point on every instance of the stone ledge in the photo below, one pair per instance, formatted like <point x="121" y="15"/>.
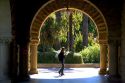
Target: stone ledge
<point x="88" y="65"/>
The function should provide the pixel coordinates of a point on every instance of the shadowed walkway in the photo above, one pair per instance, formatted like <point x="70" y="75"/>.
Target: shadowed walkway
<point x="72" y="75"/>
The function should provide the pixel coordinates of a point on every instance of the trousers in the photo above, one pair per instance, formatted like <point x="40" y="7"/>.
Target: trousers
<point x="62" y="68"/>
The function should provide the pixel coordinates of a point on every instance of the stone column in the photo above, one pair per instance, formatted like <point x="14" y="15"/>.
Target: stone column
<point x="33" y="57"/>
<point x="13" y="60"/>
<point x="103" y="59"/>
<point x="23" y="61"/>
<point x="4" y="58"/>
<point x="113" y="58"/>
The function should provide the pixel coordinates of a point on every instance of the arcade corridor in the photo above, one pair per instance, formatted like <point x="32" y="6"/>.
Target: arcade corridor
<point x="20" y="25"/>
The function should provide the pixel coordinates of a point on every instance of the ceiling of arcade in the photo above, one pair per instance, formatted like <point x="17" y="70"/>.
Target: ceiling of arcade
<point x="84" y="6"/>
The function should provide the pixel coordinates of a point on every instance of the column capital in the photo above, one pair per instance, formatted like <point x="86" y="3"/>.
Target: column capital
<point x="104" y="42"/>
<point x="34" y="41"/>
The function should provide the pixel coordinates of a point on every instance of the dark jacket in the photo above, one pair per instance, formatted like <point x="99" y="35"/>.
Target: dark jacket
<point x="61" y="56"/>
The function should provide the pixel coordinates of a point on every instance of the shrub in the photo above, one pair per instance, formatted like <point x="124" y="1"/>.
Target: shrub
<point x="51" y="57"/>
<point x="78" y="42"/>
<point x="91" y="54"/>
<point x="47" y="57"/>
<point x="74" y="58"/>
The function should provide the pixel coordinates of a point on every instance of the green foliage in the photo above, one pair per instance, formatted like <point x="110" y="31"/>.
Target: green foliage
<point x="51" y="57"/>
<point x="55" y="33"/>
<point x="78" y="42"/>
<point x="74" y="58"/>
<point x="77" y="19"/>
<point x="91" y="41"/>
<point x="46" y="37"/>
<point x="49" y="33"/>
<point x="91" y="54"/>
<point x="47" y="57"/>
<point x="92" y="28"/>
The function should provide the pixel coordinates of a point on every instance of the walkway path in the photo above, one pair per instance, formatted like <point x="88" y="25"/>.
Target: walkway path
<point x="72" y="75"/>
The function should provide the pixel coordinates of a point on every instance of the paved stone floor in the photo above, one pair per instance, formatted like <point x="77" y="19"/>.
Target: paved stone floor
<point x="72" y="75"/>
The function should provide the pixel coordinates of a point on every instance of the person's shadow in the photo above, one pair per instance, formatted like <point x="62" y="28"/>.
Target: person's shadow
<point x="57" y="76"/>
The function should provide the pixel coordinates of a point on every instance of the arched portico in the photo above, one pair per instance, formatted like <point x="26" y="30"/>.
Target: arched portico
<point x="55" y="5"/>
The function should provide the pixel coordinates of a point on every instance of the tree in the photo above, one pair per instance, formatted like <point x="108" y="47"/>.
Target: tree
<point x="58" y="25"/>
<point x="70" y="32"/>
<point x="84" y="29"/>
<point x="48" y="34"/>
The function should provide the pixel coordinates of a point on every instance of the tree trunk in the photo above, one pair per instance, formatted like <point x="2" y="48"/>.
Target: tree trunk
<point x="58" y="17"/>
<point x="85" y="31"/>
<point x="70" y="33"/>
<point x="58" y="21"/>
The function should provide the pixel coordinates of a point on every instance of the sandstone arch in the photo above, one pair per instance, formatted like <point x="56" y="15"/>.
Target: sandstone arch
<point x="54" y="5"/>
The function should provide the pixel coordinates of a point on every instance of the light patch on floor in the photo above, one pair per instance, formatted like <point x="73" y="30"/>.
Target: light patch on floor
<point x="70" y="73"/>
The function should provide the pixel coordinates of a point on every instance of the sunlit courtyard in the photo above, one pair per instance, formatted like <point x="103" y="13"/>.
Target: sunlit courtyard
<point x="69" y="73"/>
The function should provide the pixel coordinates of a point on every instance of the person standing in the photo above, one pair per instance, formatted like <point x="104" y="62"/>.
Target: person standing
<point x="61" y="58"/>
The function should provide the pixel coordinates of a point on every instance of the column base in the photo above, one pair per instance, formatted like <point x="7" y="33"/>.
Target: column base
<point x="114" y="78"/>
<point x="34" y="71"/>
<point x="102" y="72"/>
<point x="23" y="78"/>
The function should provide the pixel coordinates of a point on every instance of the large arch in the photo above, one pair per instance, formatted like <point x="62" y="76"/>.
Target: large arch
<point x="54" y="5"/>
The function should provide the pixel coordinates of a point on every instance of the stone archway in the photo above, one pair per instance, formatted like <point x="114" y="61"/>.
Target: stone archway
<point x="54" y="5"/>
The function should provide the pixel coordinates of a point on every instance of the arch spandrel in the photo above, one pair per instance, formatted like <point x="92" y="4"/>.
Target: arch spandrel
<point x="83" y="5"/>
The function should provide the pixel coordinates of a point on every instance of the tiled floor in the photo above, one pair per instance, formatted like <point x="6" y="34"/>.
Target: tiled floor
<point x="72" y="75"/>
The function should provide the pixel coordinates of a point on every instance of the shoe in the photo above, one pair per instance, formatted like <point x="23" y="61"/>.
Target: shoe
<point x="62" y="74"/>
<point x="59" y="72"/>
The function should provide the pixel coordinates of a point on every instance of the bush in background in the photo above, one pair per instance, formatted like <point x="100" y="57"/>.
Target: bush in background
<point x="47" y="57"/>
<point x="51" y="57"/>
<point x="91" y="54"/>
<point x="74" y="58"/>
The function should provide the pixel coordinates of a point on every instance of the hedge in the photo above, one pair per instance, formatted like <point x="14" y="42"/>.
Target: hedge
<point x="51" y="57"/>
<point x="74" y="58"/>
